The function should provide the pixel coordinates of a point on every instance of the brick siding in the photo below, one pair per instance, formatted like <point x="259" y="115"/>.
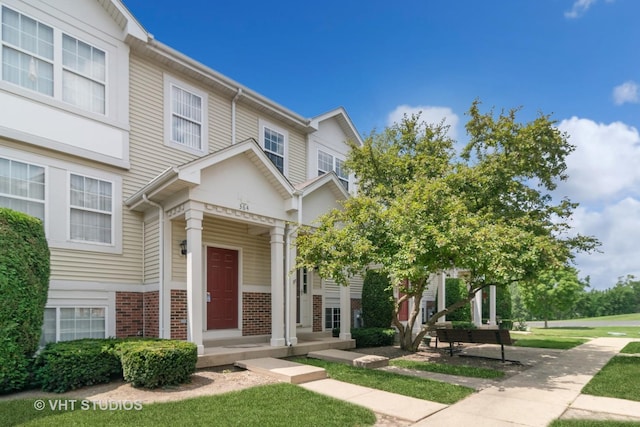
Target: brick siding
<point x="151" y="314"/>
<point x="317" y="313"/>
<point x="129" y="314"/>
<point x="178" y="314"/>
<point x="256" y="316"/>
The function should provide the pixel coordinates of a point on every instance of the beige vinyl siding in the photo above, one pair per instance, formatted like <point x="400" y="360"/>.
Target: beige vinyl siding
<point x="255" y="250"/>
<point x="247" y="127"/>
<point x="151" y="251"/>
<point x="332" y="290"/>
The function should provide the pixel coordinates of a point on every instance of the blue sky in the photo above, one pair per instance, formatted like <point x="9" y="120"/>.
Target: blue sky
<point x="578" y="60"/>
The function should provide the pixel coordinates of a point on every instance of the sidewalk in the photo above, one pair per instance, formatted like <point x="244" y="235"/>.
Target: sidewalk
<point x="538" y="395"/>
<point x="535" y="397"/>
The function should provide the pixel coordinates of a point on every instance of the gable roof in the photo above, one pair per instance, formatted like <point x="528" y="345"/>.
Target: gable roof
<point x="328" y="179"/>
<point x="344" y="121"/>
<point x="188" y="175"/>
<point x="123" y="17"/>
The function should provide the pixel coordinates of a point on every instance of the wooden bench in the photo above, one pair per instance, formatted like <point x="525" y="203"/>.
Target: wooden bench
<point x="478" y="336"/>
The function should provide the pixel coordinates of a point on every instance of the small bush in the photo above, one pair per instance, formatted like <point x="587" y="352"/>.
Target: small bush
<point x="506" y="324"/>
<point x="463" y="325"/>
<point x="153" y="364"/>
<point x="373" y="337"/>
<point x="68" y="365"/>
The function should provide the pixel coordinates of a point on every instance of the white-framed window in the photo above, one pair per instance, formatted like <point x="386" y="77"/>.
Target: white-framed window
<point x="185" y="116"/>
<point x="328" y="163"/>
<point x="331" y="318"/>
<point x="90" y="209"/>
<point x="22" y="187"/>
<point x="43" y="59"/>
<point x="71" y="323"/>
<point x="274" y="143"/>
<point x="84" y="75"/>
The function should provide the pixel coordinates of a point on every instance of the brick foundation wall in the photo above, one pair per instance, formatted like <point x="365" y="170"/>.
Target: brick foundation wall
<point x="129" y="314"/>
<point x="256" y="316"/>
<point x="151" y="314"/>
<point x="178" y="314"/>
<point x="317" y="313"/>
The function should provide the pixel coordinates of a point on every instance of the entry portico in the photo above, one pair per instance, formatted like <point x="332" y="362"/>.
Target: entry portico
<point x="238" y="215"/>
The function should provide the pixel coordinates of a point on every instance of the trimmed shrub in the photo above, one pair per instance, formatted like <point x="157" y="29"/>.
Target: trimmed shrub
<point x="463" y="325"/>
<point x="377" y="300"/>
<point x="373" y="337"/>
<point x="153" y="364"/>
<point x="68" y="365"/>
<point x="24" y="283"/>
<point x="14" y="371"/>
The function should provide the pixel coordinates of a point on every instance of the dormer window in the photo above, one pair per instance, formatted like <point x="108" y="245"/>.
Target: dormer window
<point x="328" y="163"/>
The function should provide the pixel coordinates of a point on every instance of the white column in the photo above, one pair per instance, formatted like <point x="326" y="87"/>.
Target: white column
<point x="477" y="309"/>
<point x="195" y="290"/>
<point x="291" y="279"/>
<point x="168" y="241"/>
<point x="277" y="285"/>
<point x="442" y="292"/>
<point x="345" y="312"/>
<point x="492" y="305"/>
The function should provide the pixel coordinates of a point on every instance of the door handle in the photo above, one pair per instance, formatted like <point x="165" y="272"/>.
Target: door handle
<point x="208" y="296"/>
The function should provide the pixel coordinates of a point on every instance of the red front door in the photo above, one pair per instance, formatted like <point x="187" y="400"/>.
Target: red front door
<point x="222" y="288"/>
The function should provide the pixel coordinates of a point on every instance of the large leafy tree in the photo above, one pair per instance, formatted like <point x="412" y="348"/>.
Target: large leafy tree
<point x="422" y="208"/>
<point x="552" y="293"/>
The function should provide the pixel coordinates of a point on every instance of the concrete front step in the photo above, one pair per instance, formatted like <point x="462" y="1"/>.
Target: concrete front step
<point x="284" y="370"/>
<point x="351" y="358"/>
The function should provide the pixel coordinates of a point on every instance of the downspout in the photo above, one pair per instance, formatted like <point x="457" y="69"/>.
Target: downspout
<point x="160" y="264"/>
<point x="233" y="115"/>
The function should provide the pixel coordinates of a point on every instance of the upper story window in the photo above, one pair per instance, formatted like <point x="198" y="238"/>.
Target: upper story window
<point x="91" y="209"/>
<point x="185" y="116"/>
<point x="22" y="187"/>
<point x="84" y="75"/>
<point x="37" y="57"/>
<point x="274" y="141"/>
<point x="328" y="163"/>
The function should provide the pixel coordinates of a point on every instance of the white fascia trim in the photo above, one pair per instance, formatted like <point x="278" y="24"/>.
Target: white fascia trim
<point x="64" y="285"/>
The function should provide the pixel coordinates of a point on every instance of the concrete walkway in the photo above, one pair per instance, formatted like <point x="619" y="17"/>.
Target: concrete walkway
<point x="538" y="395"/>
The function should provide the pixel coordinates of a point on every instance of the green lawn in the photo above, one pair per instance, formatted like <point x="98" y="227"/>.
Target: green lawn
<point x="631" y="348"/>
<point x="617" y="317"/>
<point x="465" y="371"/>
<point x="592" y="423"/>
<point x="420" y="388"/>
<point x="588" y="332"/>
<point x="618" y="378"/>
<point x="270" y="405"/>
<point x="545" y="341"/>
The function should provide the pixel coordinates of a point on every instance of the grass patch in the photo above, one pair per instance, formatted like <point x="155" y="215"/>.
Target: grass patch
<point x="419" y="388"/>
<point x="592" y="423"/>
<point x="616" y="317"/>
<point x="463" y="371"/>
<point x="541" y="341"/>
<point x="618" y="379"/>
<point x="631" y="348"/>
<point x="270" y="405"/>
<point x="589" y="332"/>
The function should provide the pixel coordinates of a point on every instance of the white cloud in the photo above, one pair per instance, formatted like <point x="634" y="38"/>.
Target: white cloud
<point x="579" y="8"/>
<point x="605" y="162"/>
<point x="626" y="92"/>
<point x="429" y="114"/>
<point x="616" y="227"/>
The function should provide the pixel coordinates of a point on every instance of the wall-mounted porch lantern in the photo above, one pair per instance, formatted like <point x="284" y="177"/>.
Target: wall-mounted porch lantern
<point x="183" y="247"/>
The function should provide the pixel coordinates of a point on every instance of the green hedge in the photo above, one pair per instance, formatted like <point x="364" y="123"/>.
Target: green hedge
<point x="14" y="372"/>
<point x="463" y="325"/>
<point x="158" y="363"/>
<point x="68" y="365"/>
<point x="24" y="283"/>
<point x="377" y="300"/>
<point x="373" y="337"/>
